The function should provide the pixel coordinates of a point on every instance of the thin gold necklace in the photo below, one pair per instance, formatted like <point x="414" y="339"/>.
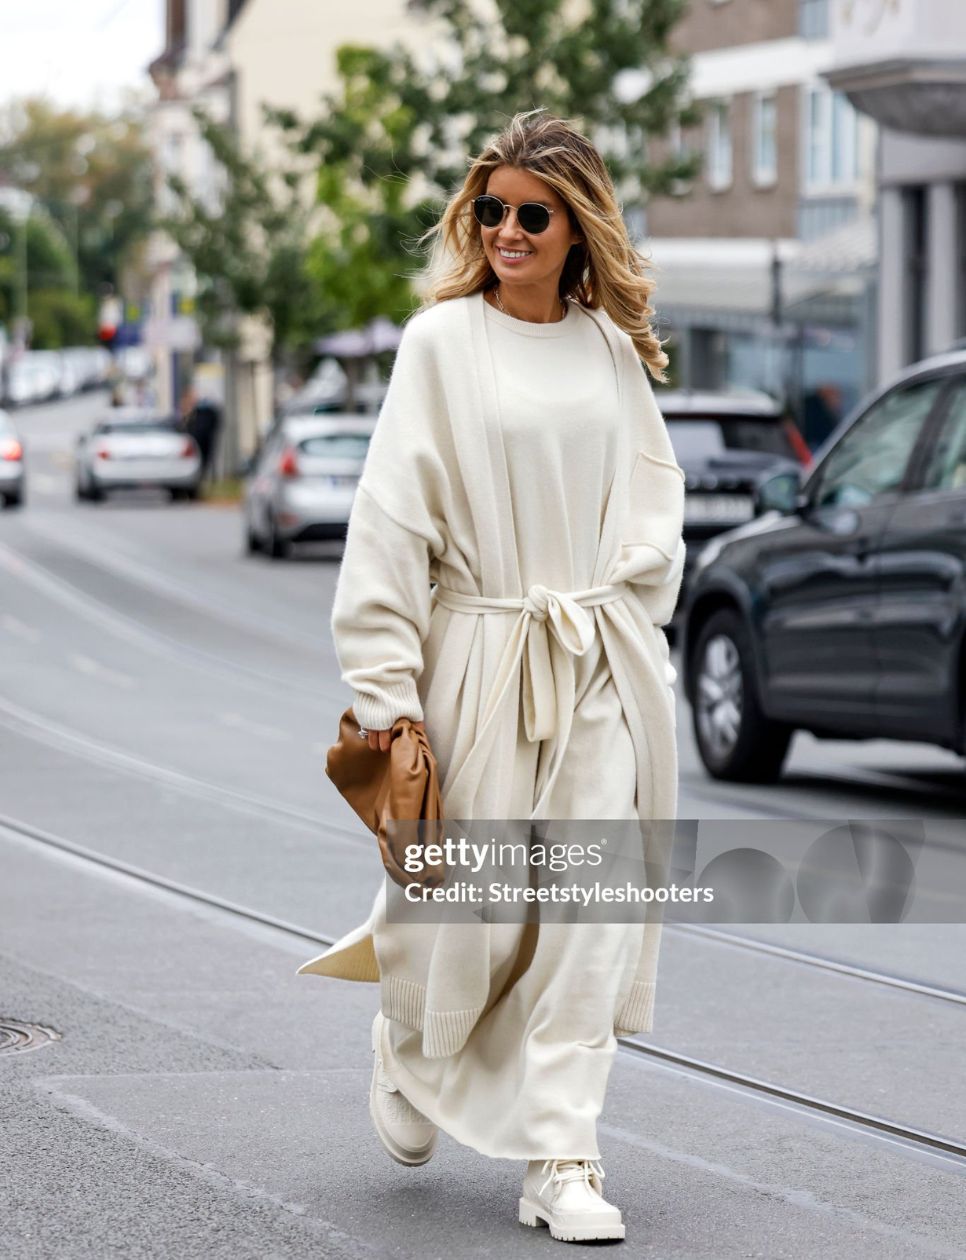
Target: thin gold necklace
<point x="499" y="302"/>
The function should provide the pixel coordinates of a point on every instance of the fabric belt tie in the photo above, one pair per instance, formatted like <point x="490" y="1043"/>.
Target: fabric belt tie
<point x="547" y="688"/>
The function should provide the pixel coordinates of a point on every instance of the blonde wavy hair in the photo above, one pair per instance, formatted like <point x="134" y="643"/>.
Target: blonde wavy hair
<point x="605" y="270"/>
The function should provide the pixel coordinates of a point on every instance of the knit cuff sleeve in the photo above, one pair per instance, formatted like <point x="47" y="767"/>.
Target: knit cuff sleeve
<point x="636" y="1013"/>
<point x="378" y="709"/>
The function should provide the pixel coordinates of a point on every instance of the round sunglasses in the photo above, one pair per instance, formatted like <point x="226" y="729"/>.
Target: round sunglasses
<point x="532" y="217"/>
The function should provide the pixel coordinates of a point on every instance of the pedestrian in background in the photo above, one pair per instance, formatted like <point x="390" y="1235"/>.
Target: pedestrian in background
<point x="204" y="423"/>
<point x="520" y="463"/>
<point x="201" y="419"/>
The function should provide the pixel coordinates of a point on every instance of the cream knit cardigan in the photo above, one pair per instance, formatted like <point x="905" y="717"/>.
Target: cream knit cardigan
<point x="433" y="505"/>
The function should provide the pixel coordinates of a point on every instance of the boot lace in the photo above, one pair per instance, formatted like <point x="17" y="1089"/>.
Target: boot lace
<point x="564" y="1170"/>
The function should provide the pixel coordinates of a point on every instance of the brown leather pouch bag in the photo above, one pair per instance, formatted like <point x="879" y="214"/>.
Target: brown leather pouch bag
<point x="401" y="784"/>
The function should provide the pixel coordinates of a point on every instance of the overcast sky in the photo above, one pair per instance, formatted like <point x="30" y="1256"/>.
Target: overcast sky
<point x="80" y="52"/>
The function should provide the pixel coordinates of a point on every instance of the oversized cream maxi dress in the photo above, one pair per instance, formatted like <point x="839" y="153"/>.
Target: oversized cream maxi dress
<point x="529" y="1080"/>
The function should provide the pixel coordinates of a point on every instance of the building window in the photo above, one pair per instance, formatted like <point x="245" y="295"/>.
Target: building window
<point x="831" y="140"/>
<point x="764" y="143"/>
<point x="719" y="145"/>
<point x="813" y="19"/>
<point x="844" y="148"/>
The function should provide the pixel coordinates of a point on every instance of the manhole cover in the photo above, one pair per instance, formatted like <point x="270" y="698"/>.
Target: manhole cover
<point x="15" y="1036"/>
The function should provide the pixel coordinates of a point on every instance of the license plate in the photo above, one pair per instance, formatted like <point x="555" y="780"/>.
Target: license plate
<point x="718" y="507"/>
<point x="347" y="480"/>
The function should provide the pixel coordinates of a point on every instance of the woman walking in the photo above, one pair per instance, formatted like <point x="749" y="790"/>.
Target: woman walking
<point x="521" y="464"/>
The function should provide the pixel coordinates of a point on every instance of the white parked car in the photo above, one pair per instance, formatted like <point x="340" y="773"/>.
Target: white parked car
<point x="131" y="447"/>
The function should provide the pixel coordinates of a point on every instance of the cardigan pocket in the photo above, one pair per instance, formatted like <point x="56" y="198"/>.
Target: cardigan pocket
<point x="651" y="543"/>
<point x="655" y="509"/>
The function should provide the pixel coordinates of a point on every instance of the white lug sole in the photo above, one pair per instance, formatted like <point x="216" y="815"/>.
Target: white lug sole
<point x="571" y="1227"/>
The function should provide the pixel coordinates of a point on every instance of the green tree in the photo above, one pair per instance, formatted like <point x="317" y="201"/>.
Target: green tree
<point x="40" y="270"/>
<point x="357" y="255"/>
<point x="59" y="318"/>
<point x="91" y="172"/>
<point x="365" y="150"/>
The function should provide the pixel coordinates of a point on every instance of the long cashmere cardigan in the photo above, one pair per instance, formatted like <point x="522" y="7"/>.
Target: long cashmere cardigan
<point x="433" y="505"/>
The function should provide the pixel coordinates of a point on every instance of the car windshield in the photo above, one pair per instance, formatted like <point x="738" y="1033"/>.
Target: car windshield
<point x="701" y="437"/>
<point x="336" y="445"/>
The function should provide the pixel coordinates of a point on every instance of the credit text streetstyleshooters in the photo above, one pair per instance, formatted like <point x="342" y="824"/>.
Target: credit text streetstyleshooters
<point x="510" y="893"/>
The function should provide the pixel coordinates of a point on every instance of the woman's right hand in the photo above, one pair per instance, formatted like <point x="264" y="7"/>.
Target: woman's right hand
<point x="379" y="741"/>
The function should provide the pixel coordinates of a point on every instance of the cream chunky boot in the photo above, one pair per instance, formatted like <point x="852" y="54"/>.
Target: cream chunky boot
<point x="565" y="1194"/>
<point x="405" y="1132"/>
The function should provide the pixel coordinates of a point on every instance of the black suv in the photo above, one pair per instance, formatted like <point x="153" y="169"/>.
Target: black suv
<point x="727" y="444"/>
<point x="842" y="609"/>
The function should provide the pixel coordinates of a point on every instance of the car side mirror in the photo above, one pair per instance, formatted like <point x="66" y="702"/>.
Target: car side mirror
<point x="781" y="493"/>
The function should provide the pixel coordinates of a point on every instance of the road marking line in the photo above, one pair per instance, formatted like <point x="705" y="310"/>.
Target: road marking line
<point x="13" y="625"/>
<point x="239" y="723"/>
<point x="94" y="669"/>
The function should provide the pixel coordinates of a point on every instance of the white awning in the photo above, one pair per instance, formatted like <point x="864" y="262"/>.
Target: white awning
<point x="733" y="277"/>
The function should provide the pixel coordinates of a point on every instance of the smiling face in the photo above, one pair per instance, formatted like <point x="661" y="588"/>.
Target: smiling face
<point x="538" y="273"/>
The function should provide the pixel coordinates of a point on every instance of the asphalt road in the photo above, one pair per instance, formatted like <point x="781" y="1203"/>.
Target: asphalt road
<point x="165" y="704"/>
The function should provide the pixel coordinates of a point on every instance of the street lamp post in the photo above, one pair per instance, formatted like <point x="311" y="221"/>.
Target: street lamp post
<point x="790" y="341"/>
<point x="22" y="280"/>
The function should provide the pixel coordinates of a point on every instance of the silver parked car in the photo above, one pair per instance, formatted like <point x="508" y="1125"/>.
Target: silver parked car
<point x="11" y="464"/>
<point x="302" y="482"/>
<point x="132" y="447"/>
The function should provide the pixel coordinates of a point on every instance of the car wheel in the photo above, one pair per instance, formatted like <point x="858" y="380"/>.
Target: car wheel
<point x="278" y="547"/>
<point x="253" y="543"/>
<point x="95" y="493"/>
<point x="735" y="740"/>
<point x="80" y="494"/>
